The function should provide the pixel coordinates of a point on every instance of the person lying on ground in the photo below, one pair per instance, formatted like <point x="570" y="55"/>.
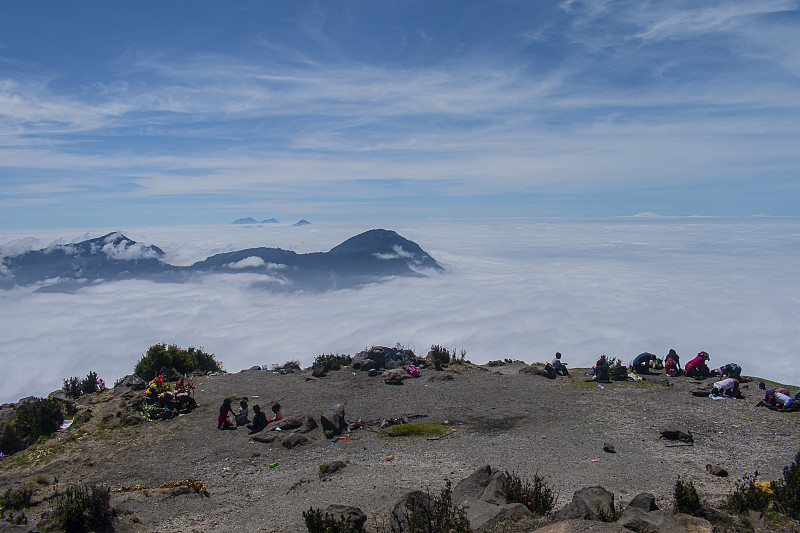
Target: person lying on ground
<point x="731" y="370"/>
<point x="726" y="387"/>
<point x="641" y="363"/>
<point x="259" y="420"/>
<point x="777" y="399"/>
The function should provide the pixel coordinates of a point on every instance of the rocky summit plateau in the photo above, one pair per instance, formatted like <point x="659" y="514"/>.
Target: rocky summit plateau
<point x="369" y="257"/>
<point x="623" y="443"/>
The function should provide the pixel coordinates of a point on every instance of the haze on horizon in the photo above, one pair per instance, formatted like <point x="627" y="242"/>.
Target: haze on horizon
<point x="512" y="289"/>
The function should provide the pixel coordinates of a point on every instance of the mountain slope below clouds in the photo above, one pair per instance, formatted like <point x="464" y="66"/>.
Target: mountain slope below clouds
<point x="365" y="258"/>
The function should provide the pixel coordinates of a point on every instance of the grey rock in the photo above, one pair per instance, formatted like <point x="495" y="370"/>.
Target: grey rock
<point x="609" y="448"/>
<point x="716" y="470"/>
<point x="395" y="376"/>
<point x="641" y="521"/>
<point x="644" y="501"/>
<point x="294" y="440"/>
<point x="587" y="504"/>
<point x="318" y="371"/>
<point x="408" y="503"/>
<point x="133" y="419"/>
<point x="333" y="422"/>
<point x="132" y="381"/>
<point x="679" y="433"/>
<point x="583" y="526"/>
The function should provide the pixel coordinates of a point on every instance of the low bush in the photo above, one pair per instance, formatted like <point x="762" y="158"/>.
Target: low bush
<point x="440" y="356"/>
<point x="787" y="490"/>
<point x="536" y="496"/>
<point x="83" y="508"/>
<point x="747" y="495"/>
<point x="184" y="361"/>
<point x="16" y="499"/>
<point x="74" y="387"/>
<point x="687" y="500"/>
<point x="319" y="522"/>
<point x="435" y="514"/>
<point x="332" y="362"/>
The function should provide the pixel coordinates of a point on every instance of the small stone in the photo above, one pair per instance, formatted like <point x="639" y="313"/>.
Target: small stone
<point x="609" y="448"/>
<point x="716" y="470"/>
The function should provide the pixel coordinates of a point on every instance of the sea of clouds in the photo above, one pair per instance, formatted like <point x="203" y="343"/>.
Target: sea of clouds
<point x="519" y="289"/>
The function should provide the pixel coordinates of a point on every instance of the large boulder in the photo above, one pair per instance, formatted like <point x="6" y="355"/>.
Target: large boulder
<point x="588" y="503"/>
<point x="395" y="376"/>
<point x="641" y="521"/>
<point x="405" y="507"/>
<point x="298" y="424"/>
<point x="482" y="496"/>
<point x="383" y="357"/>
<point x="333" y="422"/>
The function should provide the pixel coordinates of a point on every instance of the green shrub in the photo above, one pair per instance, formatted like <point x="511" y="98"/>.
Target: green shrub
<point x="92" y="383"/>
<point x="440" y="356"/>
<point x="38" y="418"/>
<point x="9" y="441"/>
<point x="747" y="495"/>
<point x="83" y="508"/>
<point x="787" y="490"/>
<point x="319" y="522"/>
<point x="16" y="499"/>
<point x="686" y="499"/>
<point x="435" y="514"/>
<point x="536" y="496"/>
<point x="184" y="361"/>
<point x="72" y="387"/>
<point x="332" y="362"/>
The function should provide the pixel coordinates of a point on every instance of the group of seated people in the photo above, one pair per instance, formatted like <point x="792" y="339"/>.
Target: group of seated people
<point x="259" y="423"/>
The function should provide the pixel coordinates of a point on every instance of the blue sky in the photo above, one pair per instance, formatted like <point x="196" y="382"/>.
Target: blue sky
<point x="156" y="113"/>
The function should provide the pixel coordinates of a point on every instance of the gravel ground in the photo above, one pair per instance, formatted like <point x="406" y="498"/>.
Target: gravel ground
<point x="498" y="416"/>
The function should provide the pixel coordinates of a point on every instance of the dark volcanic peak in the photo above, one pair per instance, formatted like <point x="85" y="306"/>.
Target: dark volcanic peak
<point x="371" y="256"/>
<point x="270" y="221"/>
<point x="248" y="220"/>
<point x="302" y="222"/>
<point x="386" y="245"/>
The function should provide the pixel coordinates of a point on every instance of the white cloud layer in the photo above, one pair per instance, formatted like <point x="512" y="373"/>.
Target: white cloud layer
<point x="520" y="289"/>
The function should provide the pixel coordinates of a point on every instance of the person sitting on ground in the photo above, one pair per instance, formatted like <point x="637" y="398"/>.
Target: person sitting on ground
<point x="672" y="364"/>
<point x="276" y="408"/>
<point x="697" y="367"/>
<point x="726" y="387"/>
<point x="242" y="417"/>
<point x="558" y="366"/>
<point x="601" y="368"/>
<point x="259" y="420"/>
<point x="641" y="363"/>
<point x="222" y="420"/>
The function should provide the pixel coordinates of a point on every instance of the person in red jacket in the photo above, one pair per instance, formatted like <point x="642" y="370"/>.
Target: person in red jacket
<point x="223" y="422"/>
<point x="697" y="367"/>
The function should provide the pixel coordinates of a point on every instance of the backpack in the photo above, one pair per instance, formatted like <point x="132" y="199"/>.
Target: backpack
<point x="413" y="371"/>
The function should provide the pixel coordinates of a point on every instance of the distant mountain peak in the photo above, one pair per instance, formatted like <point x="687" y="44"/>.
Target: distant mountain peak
<point x="270" y="221"/>
<point x="247" y="220"/>
<point x="302" y="222"/>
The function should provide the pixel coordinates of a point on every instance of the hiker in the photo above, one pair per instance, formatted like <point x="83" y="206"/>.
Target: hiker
<point x="242" y="417"/>
<point x="672" y="364"/>
<point x="731" y="370"/>
<point x="641" y="363"/>
<point x="558" y="366"/>
<point x="276" y="408"/>
<point x="777" y="399"/>
<point x="697" y="367"/>
<point x="601" y="370"/>
<point x="222" y="420"/>
<point x="259" y="420"/>
<point x="726" y="387"/>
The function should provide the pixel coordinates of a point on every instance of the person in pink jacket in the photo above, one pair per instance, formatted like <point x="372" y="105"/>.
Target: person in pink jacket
<point x="697" y="367"/>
